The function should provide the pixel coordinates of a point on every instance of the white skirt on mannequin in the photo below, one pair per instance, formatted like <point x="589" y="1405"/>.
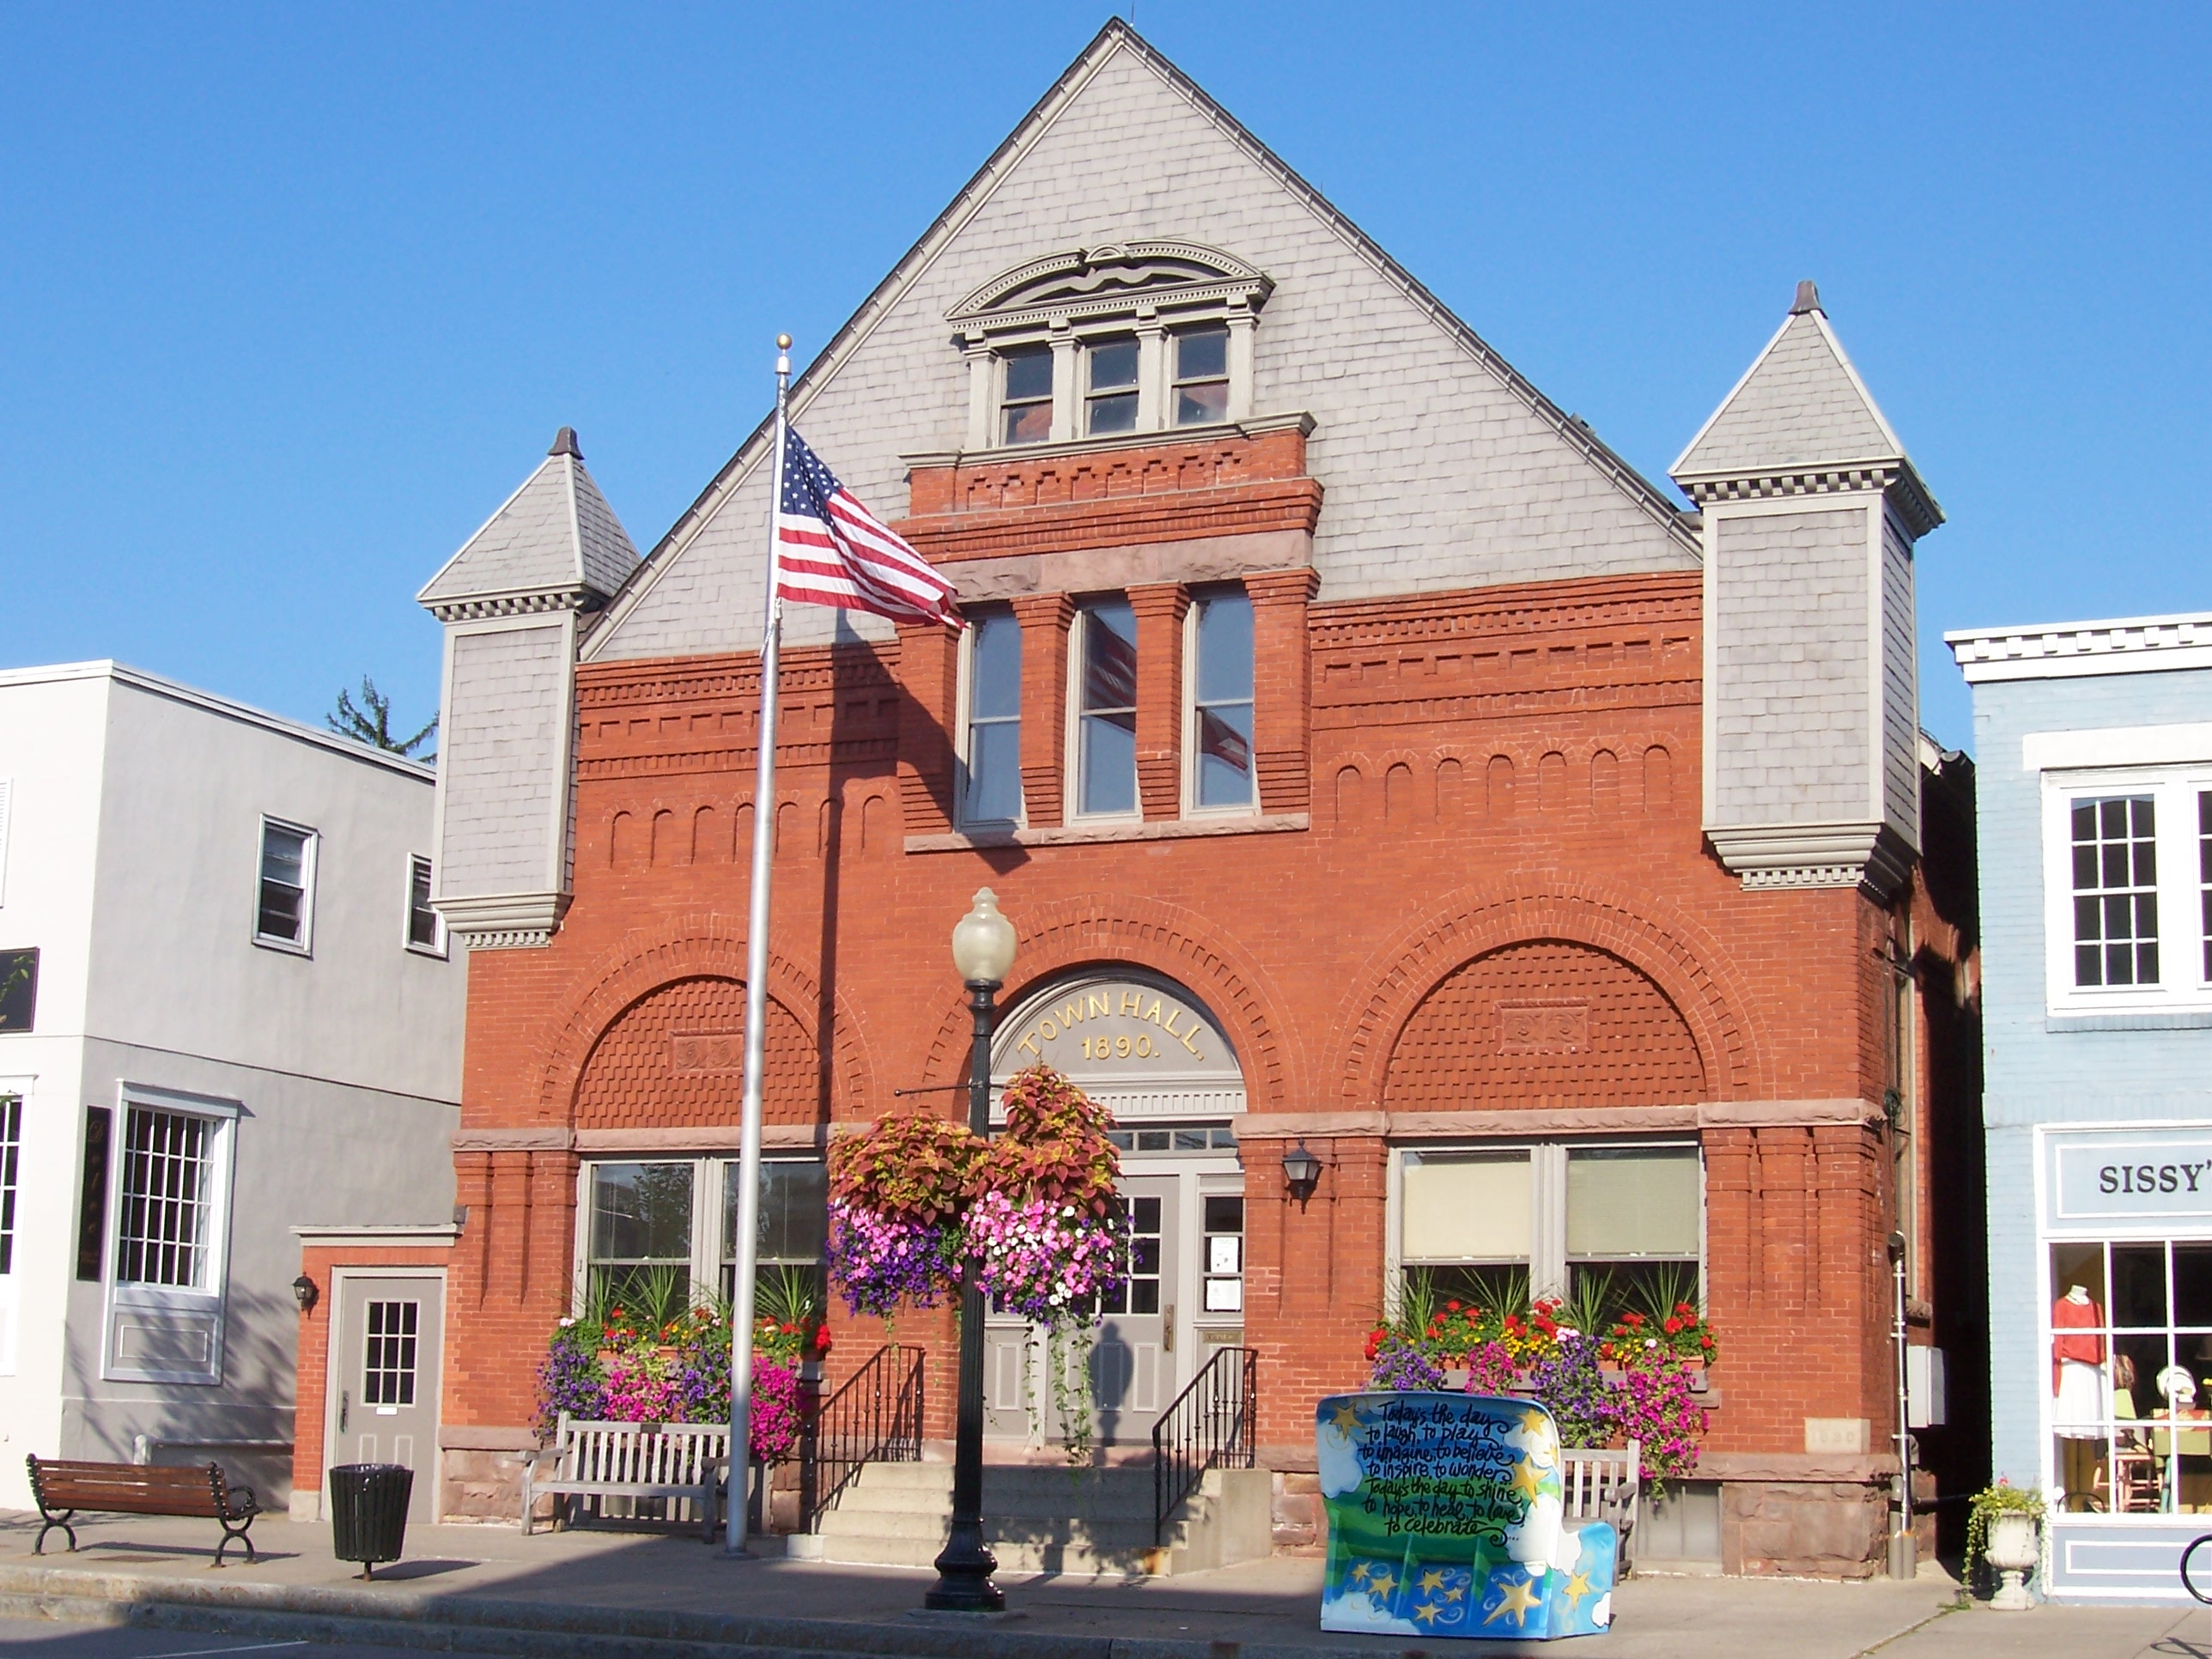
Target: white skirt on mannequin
<point x="2080" y="1411"/>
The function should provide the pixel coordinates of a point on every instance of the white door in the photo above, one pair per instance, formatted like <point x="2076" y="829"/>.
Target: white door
<point x="384" y="1379"/>
<point x="1135" y="1373"/>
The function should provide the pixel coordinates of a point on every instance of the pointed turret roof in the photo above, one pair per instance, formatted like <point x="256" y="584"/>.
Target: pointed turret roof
<point x="553" y="542"/>
<point x="1801" y="408"/>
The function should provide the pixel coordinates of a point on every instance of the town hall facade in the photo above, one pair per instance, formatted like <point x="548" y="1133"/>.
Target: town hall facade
<point x="1370" y="761"/>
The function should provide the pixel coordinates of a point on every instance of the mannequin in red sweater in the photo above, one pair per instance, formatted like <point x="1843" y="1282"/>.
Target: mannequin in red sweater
<point x="2078" y="1407"/>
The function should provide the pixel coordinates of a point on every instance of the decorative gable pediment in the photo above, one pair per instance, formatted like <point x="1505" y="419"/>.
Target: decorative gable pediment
<point x="1114" y="279"/>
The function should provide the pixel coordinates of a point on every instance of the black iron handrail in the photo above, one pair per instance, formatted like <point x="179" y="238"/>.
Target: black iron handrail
<point x="1209" y="1426"/>
<point x="874" y="1418"/>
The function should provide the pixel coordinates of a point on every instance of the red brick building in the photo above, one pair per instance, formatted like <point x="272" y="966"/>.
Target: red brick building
<point x="1369" y="759"/>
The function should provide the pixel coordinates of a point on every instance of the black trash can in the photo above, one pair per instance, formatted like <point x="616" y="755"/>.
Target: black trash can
<point x="368" y="1512"/>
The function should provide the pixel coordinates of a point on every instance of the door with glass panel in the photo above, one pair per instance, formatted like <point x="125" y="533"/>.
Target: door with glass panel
<point x="384" y="1380"/>
<point x="1133" y="1360"/>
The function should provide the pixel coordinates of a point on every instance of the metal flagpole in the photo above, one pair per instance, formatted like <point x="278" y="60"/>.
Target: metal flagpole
<point x="737" y="1512"/>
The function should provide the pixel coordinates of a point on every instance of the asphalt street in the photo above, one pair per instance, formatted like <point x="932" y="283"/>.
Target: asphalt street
<point x="37" y="1638"/>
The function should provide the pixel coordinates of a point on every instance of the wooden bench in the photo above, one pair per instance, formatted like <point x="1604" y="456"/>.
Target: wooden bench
<point x="62" y="1489"/>
<point x="630" y="1460"/>
<point x="1604" y="1484"/>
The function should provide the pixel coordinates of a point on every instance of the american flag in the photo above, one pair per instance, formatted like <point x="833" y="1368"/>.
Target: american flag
<point x="829" y="549"/>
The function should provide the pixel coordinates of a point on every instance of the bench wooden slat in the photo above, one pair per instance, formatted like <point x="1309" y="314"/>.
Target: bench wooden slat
<point x="63" y="1487"/>
<point x="630" y="1460"/>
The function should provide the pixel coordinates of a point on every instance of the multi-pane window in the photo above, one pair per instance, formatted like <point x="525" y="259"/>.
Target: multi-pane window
<point x="1608" y="1228"/>
<point x="2204" y="870"/>
<point x="794" y="1209"/>
<point x="426" y="928"/>
<point x="284" y="902"/>
<point x="387" y="1368"/>
<point x="164" y="1234"/>
<point x="1025" y="400"/>
<point x="994" y="720"/>
<point x="1110" y="402"/>
<point x="1221" y="701"/>
<point x="2114" y="892"/>
<point x="1106" y="717"/>
<point x="11" y="1145"/>
<point x="640" y="1247"/>
<point x="1139" y="1292"/>
<point x="1201" y="375"/>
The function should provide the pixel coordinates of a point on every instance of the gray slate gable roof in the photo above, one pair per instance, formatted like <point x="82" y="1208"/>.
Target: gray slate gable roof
<point x="555" y="538"/>
<point x="1640" y="496"/>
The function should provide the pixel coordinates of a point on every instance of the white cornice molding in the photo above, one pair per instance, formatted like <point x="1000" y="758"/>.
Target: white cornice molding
<point x="1794" y="855"/>
<point x="2124" y="645"/>
<point x="503" y="921"/>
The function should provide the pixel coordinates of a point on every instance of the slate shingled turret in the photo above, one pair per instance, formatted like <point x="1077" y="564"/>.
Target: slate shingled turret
<point x="1811" y="509"/>
<point x="511" y="600"/>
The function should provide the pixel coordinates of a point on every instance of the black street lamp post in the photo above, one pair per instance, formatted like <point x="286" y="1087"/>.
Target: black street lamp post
<point x="983" y="952"/>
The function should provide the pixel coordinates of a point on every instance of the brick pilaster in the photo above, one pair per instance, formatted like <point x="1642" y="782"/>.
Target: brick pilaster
<point x="1045" y="620"/>
<point x="1160" y="611"/>
<point x="1281" y="684"/>
<point x="929" y="673"/>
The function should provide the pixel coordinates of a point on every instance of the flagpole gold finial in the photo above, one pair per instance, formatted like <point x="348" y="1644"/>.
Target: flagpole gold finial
<point x="783" y="354"/>
<point x="783" y="343"/>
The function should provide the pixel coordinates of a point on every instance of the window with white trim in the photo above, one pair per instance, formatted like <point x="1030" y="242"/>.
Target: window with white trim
<point x="1201" y="374"/>
<point x="992" y="758"/>
<point x="1219" y="731"/>
<point x="794" y="1216"/>
<point x="1106" y="710"/>
<point x="1612" y="1227"/>
<point x="426" y="928"/>
<point x="2128" y="890"/>
<point x="1025" y="395"/>
<point x="1110" y="401"/>
<point x="284" y="899"/>
<point x="657" y="1237"/>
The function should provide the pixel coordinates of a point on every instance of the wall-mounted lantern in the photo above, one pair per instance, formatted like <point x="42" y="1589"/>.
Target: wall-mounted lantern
<point x="1301" y="1172"/>
<point x="305" y="1293"/>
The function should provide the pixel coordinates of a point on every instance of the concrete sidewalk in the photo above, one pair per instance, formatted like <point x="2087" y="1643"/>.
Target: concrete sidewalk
<point x="601" y="1592"/>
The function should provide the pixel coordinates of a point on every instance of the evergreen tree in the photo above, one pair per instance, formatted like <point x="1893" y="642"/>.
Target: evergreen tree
<point x="370" y="722"/>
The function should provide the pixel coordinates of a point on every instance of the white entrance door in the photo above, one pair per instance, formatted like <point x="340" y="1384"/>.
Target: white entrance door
<point x="384" y="1379"/>
<point x="1134" y="1369"/>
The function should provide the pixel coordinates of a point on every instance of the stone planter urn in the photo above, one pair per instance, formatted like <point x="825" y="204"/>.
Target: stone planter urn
<point x="2014" y="1550"/>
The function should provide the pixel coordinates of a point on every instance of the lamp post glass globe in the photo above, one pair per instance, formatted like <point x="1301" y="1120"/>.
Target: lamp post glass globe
<point x="983" y="942"/>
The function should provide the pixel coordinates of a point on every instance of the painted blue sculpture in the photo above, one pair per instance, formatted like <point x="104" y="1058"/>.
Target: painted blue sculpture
<point x="1445" y="1518"/>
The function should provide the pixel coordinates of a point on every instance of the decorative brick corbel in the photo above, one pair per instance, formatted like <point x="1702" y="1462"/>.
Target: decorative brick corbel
<point x="929" y="676"/>
<point x="1160" y="609"/>
<point x="1045" y="620"/>
<point x="1282" y="686"/>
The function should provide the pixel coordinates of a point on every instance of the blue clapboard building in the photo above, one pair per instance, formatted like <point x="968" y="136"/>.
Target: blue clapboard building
<point x="2094" y="772"/>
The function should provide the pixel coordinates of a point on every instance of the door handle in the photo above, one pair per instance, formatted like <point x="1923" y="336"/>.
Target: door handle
<point x="1167" y="1340"/>
<point x="345" y="1400"/>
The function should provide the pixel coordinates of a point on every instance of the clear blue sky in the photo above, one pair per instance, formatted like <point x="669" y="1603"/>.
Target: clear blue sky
<point x="291" y="297"/>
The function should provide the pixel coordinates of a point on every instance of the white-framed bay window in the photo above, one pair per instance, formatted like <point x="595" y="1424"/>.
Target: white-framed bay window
<point x="2127" y="870"/>
<point x="169" y="1225"/>
<point x="655" y="1236"/>
<point x="1606" y="1225"/>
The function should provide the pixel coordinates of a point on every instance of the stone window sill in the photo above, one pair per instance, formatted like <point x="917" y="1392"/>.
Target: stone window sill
<point x="1089" y="834"/>
<point x="2135" y="1020"/>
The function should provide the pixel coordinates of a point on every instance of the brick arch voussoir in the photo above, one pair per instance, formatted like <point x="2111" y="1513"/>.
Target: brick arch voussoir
<point x="1689" y="968"/>
<point x="709" y="947"/>
<point x="1184" y="945"/>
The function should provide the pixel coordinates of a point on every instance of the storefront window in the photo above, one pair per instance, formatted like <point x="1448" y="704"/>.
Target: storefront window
<point x="2129" y="1339"/>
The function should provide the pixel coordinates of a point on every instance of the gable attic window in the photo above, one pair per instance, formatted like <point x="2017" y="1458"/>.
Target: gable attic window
<point x="1109" y="341"/>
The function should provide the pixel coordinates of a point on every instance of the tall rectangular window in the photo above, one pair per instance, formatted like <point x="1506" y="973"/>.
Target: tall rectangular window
<point x="994" y="721"/>
<point x="1106" y="719"/>
<point x="426" y="928"/>
<point x="11" y="1147"/>
<point x="639" y="1244"/>
<point x="164" y="1232"/>
<point x="794" y="1215"/>
<point x="1025" y="403"/>
<point x="2114" y="892"/>
<point x="92" y="1197"/>
<point x="1110" y="403"/>
<point x="1221" y="700"/>
<point x="285" y="903"/>
<point x="2204" y="870"/>
<point x="1201" y="375"/>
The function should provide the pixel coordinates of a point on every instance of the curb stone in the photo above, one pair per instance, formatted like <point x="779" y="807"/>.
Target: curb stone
<point x="534" y="1629"/>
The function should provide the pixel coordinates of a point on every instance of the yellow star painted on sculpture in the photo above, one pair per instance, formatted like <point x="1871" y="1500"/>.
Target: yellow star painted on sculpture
<point x="1519" y="1599"/>
<point x="1578" y="1586"/>
<point x="1426" y="1613"/>
<point x="1528" y="1478"/>
<point x="1454" y="1592"/>
<point x="1382" y="1584"/>
<point x="1359" y="1572"/>
<point x="1532" y="1422"/>
<point x="1347" y="1419"/>
<point x="1432" y="1580"/>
